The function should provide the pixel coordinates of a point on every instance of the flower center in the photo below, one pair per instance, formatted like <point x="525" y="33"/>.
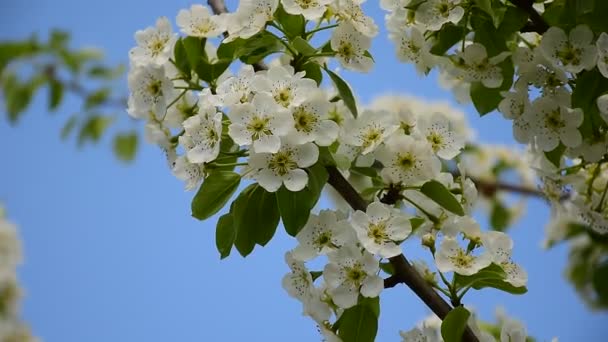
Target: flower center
<point x="258" y="127"/>
<point x="324" y="239"/>
<point x="462" y="259"/>
<point x="436" y="140"/>
<point x="356" y="274"/>
<point x="377" y="232"/>
<point x="304" y="120"/>
<point x="281" y="162"/>
<point x="372" y="135"/>
<point x="406" y="161"/>
<point x="553" y="121"/>
<point x="283" y="96"/>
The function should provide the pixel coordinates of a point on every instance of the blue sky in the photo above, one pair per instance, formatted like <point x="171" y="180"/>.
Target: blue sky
<point x="112" y="253"/>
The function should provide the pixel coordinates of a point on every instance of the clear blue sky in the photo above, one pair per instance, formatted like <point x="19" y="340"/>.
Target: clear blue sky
<point x="113" y="255"/>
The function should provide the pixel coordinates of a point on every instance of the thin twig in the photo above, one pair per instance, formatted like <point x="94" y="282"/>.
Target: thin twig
<point x="537" y="23"/>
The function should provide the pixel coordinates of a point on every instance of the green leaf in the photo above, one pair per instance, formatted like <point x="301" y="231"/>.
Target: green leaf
<point x="294" y="208"/>
<point x="358" y="324"/>
<point x="499" y="285"/>
<point x="486" y="6"/>
<point x="315" y="274"/>
<point x="93" y="128"/>
<point x="262" y="213"/>
<point x="97" y="98"/>
<point x="303" y="47"/>
<point x="225" y="233"/>
<point x="454" y="324"/>
<point x="447" y="37"/>
<point x="244" y="240"/>
<point x="55" y="93"/>
<point x="344" y="90"/>
<point x="387" y="267"/>
<point x="68" y="127"/>
<point x="10" y="51"/>
<point x="125" y="146"/>
<point x="313" y="71"/>
<point x="514" y="20"/>
<point x="492" y="276"/>
<point x="210" y="72"/>
<point x="293" y="25"/>
<point x="589" y="86"/>
<point x="500" y="216"/>
<point x="555" y="156"/>
<point x="18" y="98"/>
<point x="195" y="50"/>
<point x="103" y="72"/>
<point x="254" y="49"/>
<point x="600" y="282"/>
<point x="180" y="57"/>
<point x="442" y="196"/>
<point x="214" y="193"/>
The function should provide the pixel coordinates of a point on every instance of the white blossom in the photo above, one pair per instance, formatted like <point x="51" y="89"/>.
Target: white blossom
<point x="250" y="18"/>
<point x="602" y="105"/>
<point x="154" y="44"/>
<point x="440" y="132"/>
<point x="261" y="123"/>
<point x="184" y="108"/>
<point x="322" y="234"/>
<point x="553" y="121"/>
<point x="350" y="272"/>
<point x="350" y="46"/>
<point x="202" y="135"/>
<point x="602" y="54"/>
<point x="407" y="161"/>
<point x="369" y="130"/>
<point x="236" y="89"/>
<point x="432" y="14"/>
<point x="198" y="22"/>
<point x="312" y="122"/>
<point x="451" y="257"/>
<point x="287" y="88"/>
<point x="513" y="331"/>
<point x="151" y="91"/>
<point x="192" y="174"/>
<point x="310" y="9"/>
<point x="412" y="47"/>
<point x="500" y="247"/>
<point x="350" y="11"/>
<point x="380" y="228"/>
<point x="284" y="166"/>
<point x="475" y="66"/>
<point x="573" y="52"/>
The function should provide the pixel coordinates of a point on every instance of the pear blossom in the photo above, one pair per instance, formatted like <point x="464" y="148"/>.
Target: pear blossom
<point x="151" y="91"/>
<point x="184" y="108"/>
<point x="513" y="106"/>
<point x="202" y="135"/>
<point x="432" y="14"/>
<point x="350" y="46"/>
<point x="155" y="132"/>
<point x="369" y="130"/>
<point x="602" y="105"/>
<point x="322" y="234"/>
<point x="260" y="123"/>
<point x="350" y="272"/>
<point x="350" y="11"/>
<point x="198" y="22"/>
<point x="154" y="44"/>
<point x="440" y="132"/>
<point x="407" y="161"/>
<point x="500" y="247"/>
<point x="475" y="66"/>
<point x="573" y="52"/>
<point x="380" y="227"/>
<point x="287" y="88"/>
<point x="602" y="53"/>
<point x="299" y="284"/>
<point x="284" y="166"/>
<point x="412" y="47"/>
<point x="250" y="18"/>
<point x="10" y="247"/>
<point x="312" y="122"/>
<point x="554" y="121"/>
<point x="310" y="9"/>
<point x="192" y="174"/>
<point x="451" y="257"/>
<point x="236" y="89"/>
<point x="513" y="331"/>
<point x="419" y="334"/>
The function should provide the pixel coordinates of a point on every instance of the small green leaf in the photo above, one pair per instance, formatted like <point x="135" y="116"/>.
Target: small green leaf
<point x="454" y="324"/>
<point x="244" y="240"/>
<point x="447" y="37"/>
<point x="387" y="267"/>
<point x="225" y="233"/>
<point x="293" y="25"/>
<point x="262" y="213"/>
<point x="303" y="47"/>
<point x="442" y="196"/>
<point x="313" y="71"/>
<point x="93" y="128"/>
<point x="295" y="208"/>
<point x="315" y="274"/>
<point x="344" y="90"/>
<point x="181" y="58"/>
<point x="210" y="72"/>
<point x="214" y="193"/>
<point x="97" y="98"/>
<point x="195" y="50"/>
<point x="125" y="146"/>
<point x="68" y="127"/>
<point x="486" y="6"/>
<point x="492" y="276"/>
<point x="358" y="324"/>
<point x="55" y="93"/>
<point x="256" y="48"/>
<point x="555" y="156"/>
<point x="500" y="216"/>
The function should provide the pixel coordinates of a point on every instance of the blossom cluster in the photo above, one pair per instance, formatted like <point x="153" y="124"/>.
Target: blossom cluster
<point x="11" y="327"/>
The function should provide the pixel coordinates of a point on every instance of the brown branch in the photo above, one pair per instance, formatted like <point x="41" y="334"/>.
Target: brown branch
<point x="537" y="23"/>
<point x="404" y="271"/>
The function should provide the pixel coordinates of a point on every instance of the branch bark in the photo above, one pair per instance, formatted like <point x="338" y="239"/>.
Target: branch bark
<point x="537" y="23"/>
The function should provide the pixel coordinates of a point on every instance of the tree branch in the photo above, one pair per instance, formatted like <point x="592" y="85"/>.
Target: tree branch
<point x="404" y="271"/>
<point x="537" y="23"/>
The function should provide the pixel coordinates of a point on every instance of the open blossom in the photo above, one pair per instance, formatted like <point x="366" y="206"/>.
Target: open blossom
<point x="440" y="132"/>
<point x="286" y="87"/>
<point x="513" y="106"/>
<point x="184" y="108"/>
<point x="260" y="123"/>
<point x="350" y="272"/>
<point x="10" y="247"/>
<point x="350" y="46"/>
<point x="236" y="89"/>
<point x="350" y="11"/>
<point x="602" y="105"/>
<point x="154" y="44"/>
<point x="475" y="66"/>
<point x="284" y="166"/>
<point x="322" y="234"/>
<point x="380" y="227"/>
<point x="412" y="47"/>
<point x="432" y="14"/>
<point x="553" y="121"/>
<point x="602" y="54"/>
<point x="573" y="52"/>
<point x="419" y="334"/>
<point x="202" y="135"/>
<point x="192" y="174"/>
<point x="198" y="22"/>
<point x="151" y="91"/>
<point x="299" y="284"/>
<point x="452" y="257"/>
<point x="250" y="18"/>
<point x="513" y="331"/>
<point x="500" y="247"/>
<point x="312" y="122"/>
<point x="407" y="161"/>
<point x="369" y="130"/>
<point x="310" y="9"/>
